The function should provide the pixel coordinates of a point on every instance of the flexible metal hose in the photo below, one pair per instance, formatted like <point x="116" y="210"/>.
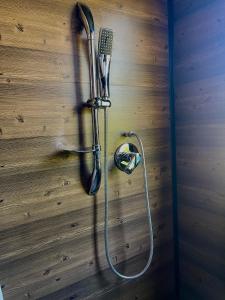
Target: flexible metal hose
<point x="106" y="231"/>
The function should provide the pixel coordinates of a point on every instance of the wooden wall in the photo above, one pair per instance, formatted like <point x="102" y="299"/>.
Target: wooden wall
<point x="51" y="232"/>
<point x="199" y="42"/>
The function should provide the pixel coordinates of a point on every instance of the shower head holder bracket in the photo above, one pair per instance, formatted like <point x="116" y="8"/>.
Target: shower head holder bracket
<point x="99" y="103"/>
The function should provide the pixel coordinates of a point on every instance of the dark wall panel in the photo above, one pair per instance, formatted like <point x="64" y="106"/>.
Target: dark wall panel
<point x="199" y="69"/>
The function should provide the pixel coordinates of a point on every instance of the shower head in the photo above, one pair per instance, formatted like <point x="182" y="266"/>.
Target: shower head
<point x="86" y="18"/>
<point x="105" y="41"/>
<point x="104" y="59"/>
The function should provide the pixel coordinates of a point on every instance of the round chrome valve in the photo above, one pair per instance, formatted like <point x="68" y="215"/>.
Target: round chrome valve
<point x="127" y="157"/>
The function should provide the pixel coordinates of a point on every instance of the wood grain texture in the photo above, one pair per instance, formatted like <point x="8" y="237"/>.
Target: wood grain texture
<point x="51" y="232"/>
<point x="199" y="88"/>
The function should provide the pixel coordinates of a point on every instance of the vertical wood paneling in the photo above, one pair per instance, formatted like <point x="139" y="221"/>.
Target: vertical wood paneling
<point x="51" y="232"/>
<point x="199" y="43"/>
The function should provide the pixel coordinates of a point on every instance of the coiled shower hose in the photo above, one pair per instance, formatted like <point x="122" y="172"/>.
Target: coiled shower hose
<point x="106" y="229"/>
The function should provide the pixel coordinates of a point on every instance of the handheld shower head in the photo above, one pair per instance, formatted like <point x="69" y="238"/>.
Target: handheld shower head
<point x="87" y="19"/>
<point x="105" y="41"/>
<point x="104" y="58"/>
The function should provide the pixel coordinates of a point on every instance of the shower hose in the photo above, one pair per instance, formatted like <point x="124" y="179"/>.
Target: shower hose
<point x="106" y="228"/>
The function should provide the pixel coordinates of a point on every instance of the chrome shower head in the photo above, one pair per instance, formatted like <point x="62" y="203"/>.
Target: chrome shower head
<point x="87" y="18"/>
<point x="105" y="41"/>
<point x="104" y="59"/>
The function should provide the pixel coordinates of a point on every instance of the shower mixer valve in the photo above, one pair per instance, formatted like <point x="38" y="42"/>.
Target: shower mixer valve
<point x="127" y="157"/>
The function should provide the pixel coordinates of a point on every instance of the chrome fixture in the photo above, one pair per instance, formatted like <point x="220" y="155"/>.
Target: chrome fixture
<point x="97" y="100"/>
<point x="127" y="156"/>
<point x="104" y="59"/>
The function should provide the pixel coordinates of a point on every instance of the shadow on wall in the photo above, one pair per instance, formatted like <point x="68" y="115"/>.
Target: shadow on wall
<point x="80" y="106"/>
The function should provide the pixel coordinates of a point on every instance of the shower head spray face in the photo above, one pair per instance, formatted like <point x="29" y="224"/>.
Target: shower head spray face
<point x="105" y="41"/>
<point x="104" y="59"/>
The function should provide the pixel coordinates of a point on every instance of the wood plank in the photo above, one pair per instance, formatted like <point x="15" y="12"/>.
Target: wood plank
<point x="207" y="260"/>
<point x="204" y="285"/>
<point x="61" y="192"/>
<point x="139" y="287"/>
<point x="202" y="175"/>
<point x="41" y="151"/>
<point x="201" y="135"/>
<point x="199" y="74"/>
<point x="59" y="229"/>
<point x="26" y="113"/>
<point x="131" y="265"/>
<point x="49" y="265"/>
<point x="202" y="198"/>
<point x="203" y="226"/>
<point x="204" y="33"/>
<point x="185" y="8"/>
<point x="39" y="27"/>
<point x="35" y="65"/>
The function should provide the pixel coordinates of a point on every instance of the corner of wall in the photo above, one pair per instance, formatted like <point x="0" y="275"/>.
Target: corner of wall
<point x="173" y="143"/>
